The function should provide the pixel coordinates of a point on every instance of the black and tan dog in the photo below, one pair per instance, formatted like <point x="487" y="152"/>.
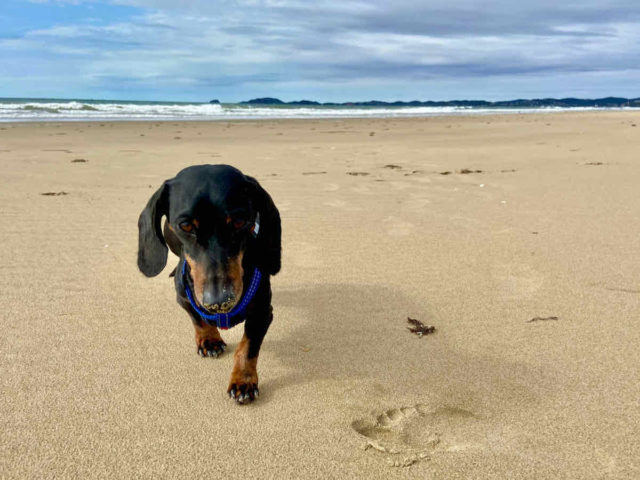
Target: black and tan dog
<point x="226" y="230"/>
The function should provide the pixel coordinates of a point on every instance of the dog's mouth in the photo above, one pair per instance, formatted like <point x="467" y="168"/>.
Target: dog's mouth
<point x="224" y="307"/>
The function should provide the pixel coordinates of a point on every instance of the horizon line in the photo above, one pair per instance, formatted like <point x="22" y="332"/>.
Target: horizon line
<point x="212" y="101"/>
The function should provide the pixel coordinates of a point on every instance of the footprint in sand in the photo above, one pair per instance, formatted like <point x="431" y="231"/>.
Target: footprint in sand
<point x="406" y="435"/>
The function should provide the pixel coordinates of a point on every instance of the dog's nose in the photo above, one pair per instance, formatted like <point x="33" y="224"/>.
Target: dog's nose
<point x="218" y="300"/>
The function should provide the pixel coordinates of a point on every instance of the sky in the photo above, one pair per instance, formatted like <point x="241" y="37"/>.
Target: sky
<point x="325" y="50"/>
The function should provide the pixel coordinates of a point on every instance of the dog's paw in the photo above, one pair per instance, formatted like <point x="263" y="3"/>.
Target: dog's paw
<point x="243" y="393"/>
<point x="211" y="348"/>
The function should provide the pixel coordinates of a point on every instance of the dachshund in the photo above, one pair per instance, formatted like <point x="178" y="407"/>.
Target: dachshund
<point x="226" y="231"/>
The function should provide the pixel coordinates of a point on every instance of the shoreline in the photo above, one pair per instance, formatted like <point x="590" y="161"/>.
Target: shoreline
<point x="444" y="116"/>
<point x="78" y="112"/>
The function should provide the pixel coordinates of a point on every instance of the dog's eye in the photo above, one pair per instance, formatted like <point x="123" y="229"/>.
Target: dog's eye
<point x="186" y="227"/>
<point x="237" y="223"/>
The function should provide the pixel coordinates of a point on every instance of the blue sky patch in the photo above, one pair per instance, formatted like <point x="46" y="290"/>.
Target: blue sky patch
<point x="20" y="16"/>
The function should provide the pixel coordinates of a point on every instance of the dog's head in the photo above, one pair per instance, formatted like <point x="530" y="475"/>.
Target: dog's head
<point x="220" y="221"/>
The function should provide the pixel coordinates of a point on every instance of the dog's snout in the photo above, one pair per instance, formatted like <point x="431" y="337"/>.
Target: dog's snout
<point x="218" y="298"/>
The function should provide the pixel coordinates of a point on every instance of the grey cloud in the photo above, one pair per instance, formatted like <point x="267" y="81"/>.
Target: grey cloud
<point x="225" y="43"/>
<point x="493" y="17"/>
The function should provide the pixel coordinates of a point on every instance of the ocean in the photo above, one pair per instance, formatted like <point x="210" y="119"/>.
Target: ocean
<point x="55" y="110"/>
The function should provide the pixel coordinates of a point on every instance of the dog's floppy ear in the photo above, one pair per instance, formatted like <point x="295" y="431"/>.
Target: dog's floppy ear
<point x="152" y="249"/>
<point x="268" y="238"/>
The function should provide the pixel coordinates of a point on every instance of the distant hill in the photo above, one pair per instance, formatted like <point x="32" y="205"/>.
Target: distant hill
<point x="264" y="101"/>
<point x="517" y="103"/>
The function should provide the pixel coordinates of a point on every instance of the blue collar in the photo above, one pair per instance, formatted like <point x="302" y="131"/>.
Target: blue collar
<point x="229" y="319"/>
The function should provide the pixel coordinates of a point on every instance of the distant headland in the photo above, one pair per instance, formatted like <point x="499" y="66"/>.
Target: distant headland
<point x="606" y="102"/>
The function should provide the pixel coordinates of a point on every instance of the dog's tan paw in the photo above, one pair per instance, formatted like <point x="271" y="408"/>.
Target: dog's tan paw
<point x="243" y="393"/>
<point x="211" y="348"/>
<point x="209" y="342"/>
<point x="243" y="386"/>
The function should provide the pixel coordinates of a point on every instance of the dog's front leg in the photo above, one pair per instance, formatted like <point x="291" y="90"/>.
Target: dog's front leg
<point x="243" y="386"/>
<point x="209" y="343"/>
<point x="208" y="340"/>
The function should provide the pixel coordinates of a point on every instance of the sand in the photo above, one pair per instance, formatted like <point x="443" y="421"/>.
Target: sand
<point x="99" y="372"/>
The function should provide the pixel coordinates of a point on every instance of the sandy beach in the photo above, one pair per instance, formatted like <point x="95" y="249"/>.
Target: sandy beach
<point x="516" y="236"/>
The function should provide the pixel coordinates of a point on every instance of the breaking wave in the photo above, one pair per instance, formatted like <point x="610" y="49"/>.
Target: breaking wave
<point x="12" y="110"/>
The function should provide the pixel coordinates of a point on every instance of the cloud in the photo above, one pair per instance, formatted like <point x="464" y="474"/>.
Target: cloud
<point x="234" y="45"/>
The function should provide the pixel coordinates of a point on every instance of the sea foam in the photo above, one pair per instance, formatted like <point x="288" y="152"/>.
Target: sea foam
<point x="12" y="110"/>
